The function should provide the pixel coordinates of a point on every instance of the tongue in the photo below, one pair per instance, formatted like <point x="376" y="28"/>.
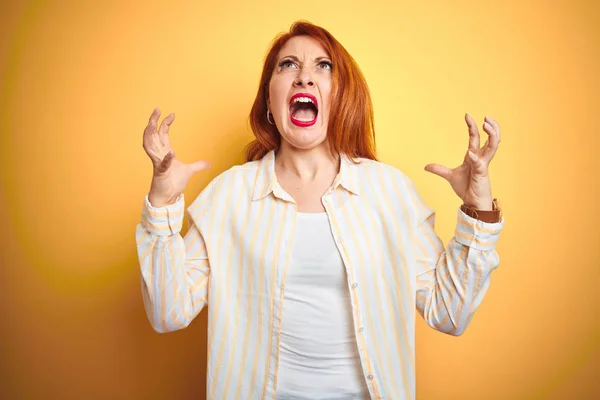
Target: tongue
<point x="305" y="114"/>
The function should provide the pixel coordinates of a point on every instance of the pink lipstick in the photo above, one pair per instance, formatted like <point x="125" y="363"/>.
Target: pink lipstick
<point x="304" y="109"/>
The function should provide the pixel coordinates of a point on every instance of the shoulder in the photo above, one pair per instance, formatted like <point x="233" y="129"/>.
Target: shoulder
<point x="237" y="172"/>
<point x="391" y="187"/>
<point x="233" y="181"/>
<point x="384" y="176"/>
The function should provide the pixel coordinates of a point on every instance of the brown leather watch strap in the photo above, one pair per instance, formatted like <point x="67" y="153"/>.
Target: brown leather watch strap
<point x="495" y="215"/>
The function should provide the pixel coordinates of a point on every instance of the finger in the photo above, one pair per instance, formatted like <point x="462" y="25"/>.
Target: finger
<point x="164" y="165"/>
<point x="439" y="170"/>
<point x="163" y="131"/>
<point x="478" y="165"/>
<point x="473" y="133"/>
<point x="151" y="127"/>
<point x="492" y="142"/>
<point x="495" y="124"/>
<point x="199" y="166"/>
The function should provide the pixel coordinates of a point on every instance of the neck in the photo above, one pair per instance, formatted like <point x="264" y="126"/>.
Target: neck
<point x="306" y="165"/>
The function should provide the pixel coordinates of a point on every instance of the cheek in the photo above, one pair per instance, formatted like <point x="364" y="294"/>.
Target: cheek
<point x="277" y="92"/>
<point x="326" y="87"/>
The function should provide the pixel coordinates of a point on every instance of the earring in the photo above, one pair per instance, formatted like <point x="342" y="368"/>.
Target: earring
<point x="268" y="119"/>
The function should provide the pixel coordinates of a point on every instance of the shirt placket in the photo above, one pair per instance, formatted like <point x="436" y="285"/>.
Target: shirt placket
<point x="353" y="287"/>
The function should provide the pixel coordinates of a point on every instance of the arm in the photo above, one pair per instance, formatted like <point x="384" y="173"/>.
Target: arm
<point x="174" y="270"/>
<point x="452" y="282"/>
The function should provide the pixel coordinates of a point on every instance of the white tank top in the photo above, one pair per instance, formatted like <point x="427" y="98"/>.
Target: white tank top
<point x="318" y="357"/>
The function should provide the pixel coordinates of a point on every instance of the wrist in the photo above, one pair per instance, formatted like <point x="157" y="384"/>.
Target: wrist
<point x="493" y="215"/>
<point x="482" y="205"/>
<point x="160" y="201"/>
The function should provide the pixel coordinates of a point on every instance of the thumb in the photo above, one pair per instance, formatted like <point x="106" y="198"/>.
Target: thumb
<point x="165" y="164"/>
<point x="199" y="166"/>
<point x="439" y="170"/>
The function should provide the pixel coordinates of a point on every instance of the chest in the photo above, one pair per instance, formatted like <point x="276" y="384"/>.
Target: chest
<point x="307" y="196"/>
<point x="257" y="244"/>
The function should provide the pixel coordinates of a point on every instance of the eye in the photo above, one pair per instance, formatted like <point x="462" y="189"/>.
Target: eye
<point x="325" y="65"/>
<point x="286" y="64"/>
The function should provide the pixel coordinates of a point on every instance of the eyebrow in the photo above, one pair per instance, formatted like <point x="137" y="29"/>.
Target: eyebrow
<point x="298" y="60"/>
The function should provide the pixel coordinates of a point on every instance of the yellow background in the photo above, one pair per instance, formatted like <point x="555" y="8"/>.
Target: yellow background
<point x="78" y="81"/>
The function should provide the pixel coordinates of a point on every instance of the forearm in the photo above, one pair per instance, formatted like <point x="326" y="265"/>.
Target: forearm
<point x="450" y="293"/>
<point x="460" y="282"/>
<point x="173" y="284"/>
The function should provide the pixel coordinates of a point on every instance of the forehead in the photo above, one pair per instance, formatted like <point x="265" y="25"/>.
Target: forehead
<point x="303" y="47"/>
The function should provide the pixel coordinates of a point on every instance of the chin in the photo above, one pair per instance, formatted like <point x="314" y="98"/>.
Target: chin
<point x="306" y="140"/>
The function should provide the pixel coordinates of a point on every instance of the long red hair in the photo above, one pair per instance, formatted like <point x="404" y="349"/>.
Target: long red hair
<point x="350" y="130"/>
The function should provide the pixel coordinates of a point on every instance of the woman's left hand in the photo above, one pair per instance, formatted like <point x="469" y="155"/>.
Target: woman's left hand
<point x="471" y="180"/>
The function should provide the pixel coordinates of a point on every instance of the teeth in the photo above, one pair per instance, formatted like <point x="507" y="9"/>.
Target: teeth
<point x="303" y="100"/>
<point x="304" y="119"/>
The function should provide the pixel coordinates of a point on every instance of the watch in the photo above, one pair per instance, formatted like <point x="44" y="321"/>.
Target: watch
<point x="495" y="215"/>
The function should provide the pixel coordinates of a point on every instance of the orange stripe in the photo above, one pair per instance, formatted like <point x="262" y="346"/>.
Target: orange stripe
<point x="249" y="308"/>
<point x="281" y="299"/>
<point x="159" y="227"/>
<point x="163" y="299"/>
<point x="146" y="264"/>
<point x="405" y="333"/>
<point x="462" y="302"/>
<point x="200" y="252"/>
<point x="202" y="282"/>
<point x="226" y="267"/>
<point x="191" y="237"/>
<point x="273" y="282"/>
<point x="240" y="270"/>
<point x="261" y="281"/>
<point x="441" y="307"/>
<point x="173" y="313"/>
<point x="148" y="305"/>
<point x="378" y="268"/>
<point x="217" y="289"/>
<point x="164" y="213"/>
<point x="204" y="198"/>
<point x="473" y="240"/>
<point x="149" y="247"/>
<point x="176" y="261"/>
<point x="477" y="227"/>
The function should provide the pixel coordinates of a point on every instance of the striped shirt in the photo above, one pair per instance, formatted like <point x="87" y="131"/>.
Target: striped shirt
<point x="235" y="256"/>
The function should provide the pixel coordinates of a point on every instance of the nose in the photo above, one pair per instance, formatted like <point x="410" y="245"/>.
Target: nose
<point x="303" y="79"/>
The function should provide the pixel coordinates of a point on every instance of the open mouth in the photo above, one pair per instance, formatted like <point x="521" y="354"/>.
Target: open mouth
<point x="303" y="109"/>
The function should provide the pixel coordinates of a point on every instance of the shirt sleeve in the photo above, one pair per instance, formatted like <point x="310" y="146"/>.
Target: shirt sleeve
<point x="174" y="269"/>
<point x="452" y="281"/>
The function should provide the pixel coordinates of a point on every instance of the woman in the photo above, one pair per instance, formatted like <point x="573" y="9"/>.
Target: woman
<point x="312" y="257"/>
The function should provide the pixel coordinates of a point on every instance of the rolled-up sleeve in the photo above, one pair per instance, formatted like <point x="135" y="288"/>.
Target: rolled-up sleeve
<point x="453" y="280"/>
<point x="174" y="270"/>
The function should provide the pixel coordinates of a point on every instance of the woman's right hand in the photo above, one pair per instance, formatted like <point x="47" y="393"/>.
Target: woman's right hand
<point x="170" y="175"/>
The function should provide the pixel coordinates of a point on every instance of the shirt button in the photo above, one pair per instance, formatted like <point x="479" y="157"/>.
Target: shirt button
<point x="361" y="329"/>
<point x="370" y="377"/>
<point x="354" y="285"/>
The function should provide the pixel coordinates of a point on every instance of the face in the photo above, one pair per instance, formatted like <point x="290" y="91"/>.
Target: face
<point x="299" y="92"/>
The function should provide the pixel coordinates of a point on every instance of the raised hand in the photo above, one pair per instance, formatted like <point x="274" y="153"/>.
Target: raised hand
<point x="170" y="175"/>
<point x="470" y="180"/>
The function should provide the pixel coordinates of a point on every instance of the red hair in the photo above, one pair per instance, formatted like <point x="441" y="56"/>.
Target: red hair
<point x="350" y="130"/>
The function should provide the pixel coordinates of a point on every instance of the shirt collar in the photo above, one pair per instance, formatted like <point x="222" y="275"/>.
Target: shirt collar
<point x="266" y="181"/>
